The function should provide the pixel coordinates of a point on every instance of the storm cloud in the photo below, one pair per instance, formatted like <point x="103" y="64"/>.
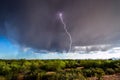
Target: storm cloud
<point x="35" y="24"/>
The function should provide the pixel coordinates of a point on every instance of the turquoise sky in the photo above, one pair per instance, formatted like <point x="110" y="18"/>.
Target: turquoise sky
<point x="7" y="49"/>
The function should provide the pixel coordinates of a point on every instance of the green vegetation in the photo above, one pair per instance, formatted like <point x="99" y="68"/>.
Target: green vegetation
<point x="57" y="69"/>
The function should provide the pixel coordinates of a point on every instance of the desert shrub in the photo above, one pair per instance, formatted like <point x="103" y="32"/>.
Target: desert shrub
<point x="63" y="69"/>
<point x="49" y="77"/>
<point x="53" y="66"/>
<point x="87" y="72"/>
<point x="71" y="64"/>
<point x="34" y="67"/>
<point x="40" y="75"/>
<point x="98" y="72"/>
<point x="110" y="71"/>
<point x="93" y="72"/>
<point x="25" y="66"/>
<point x="2" y="78"/>
<point x="108" y="64"/>
<point x="81" y="77"/>
<point x="117" y="70"/>
<point x="12" y="76"/>
<point x="30" y="76"/>
<point x="5" y="70"/>
<point x="90" y="63"/>
<point x="69" y="76"/>
<point x="15" y="67"/>
<point x="117" y="64"/>
<point x="62" y="75"/>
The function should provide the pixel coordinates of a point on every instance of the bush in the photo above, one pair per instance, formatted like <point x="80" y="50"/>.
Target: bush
<point x="71" y="64"/>
<point x="87" y="72"/>
<point x="30" y="76"/>
<point x="2" y="78"/>
<point x="117" y="70"/>
<point x="5" y="70"/>
<point x="53" y="66"/>
<point x="98" y="72"/>
<point x="15" y="67"/>
<point x="49" y="77"/>
<point x="91" y="63"/>
<point x="62" y="69"/>
<point x="110" y="71"/>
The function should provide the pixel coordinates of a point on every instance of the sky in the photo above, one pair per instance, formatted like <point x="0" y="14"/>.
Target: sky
<point x="29" y="26"/>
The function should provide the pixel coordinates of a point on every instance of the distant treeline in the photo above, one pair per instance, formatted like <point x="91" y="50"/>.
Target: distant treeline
<point x="57" y="69"/>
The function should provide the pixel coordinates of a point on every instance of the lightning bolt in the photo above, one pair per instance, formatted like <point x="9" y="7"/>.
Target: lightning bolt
<point x="65" y="28"/>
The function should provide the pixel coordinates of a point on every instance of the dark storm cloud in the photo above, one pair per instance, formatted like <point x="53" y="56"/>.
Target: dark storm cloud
<point x="34" y="23"/>
<point x="94" y="22"/>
